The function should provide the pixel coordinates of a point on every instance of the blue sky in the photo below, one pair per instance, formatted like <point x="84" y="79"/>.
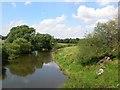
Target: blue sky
<point x="60" y="19"/>
<point x="37" y="11"/>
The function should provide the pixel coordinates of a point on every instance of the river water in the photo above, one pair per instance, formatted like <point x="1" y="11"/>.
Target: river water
<point x="33" y="71"/>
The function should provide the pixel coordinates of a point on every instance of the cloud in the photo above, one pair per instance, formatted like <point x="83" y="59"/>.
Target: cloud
<point x="54" y="26"/>
<point x="16" y="23"/>
<point x="59" y="29"/>
<point x="76" y="31"/>
<point x="13" y="3"/>
<point x="105" y="2"/>
<point x="51" y="64"/>
<point x="51" y="26"/>
<point x="54" y="21"/>
<point x="28" y="2"/>
<point x="6" y="28"/>
<point x="90" y="15"/>
<point x="45" y="24"/>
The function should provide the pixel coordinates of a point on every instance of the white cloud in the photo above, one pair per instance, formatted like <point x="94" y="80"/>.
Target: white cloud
<point x="27" y="2"/>
<point x="58" y="28"/>
<point x="77" y="31"/>
<point x="54" y="21"/>
<point x="13" y="3"/>
<point x="105" y="2"/>
<point x="16" y="23"/>
<point x="51" y="64"/>
<point x="52" y="26"/>
<point x="6" y="29"/>
<point x="91" y="15"/>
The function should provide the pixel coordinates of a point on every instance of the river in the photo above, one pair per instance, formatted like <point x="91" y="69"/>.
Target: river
<point x="33" y="71"/>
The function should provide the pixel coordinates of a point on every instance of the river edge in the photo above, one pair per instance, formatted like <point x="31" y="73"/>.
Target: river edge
<point x="65" y="72"/>
<point x="84" y="77"/>
<point x="51" y="70"/>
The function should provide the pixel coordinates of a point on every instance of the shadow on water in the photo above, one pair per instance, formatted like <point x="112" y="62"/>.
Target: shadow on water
<point x="32" y="69"/>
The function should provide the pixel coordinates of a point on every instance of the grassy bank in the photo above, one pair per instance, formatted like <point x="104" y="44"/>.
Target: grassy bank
<point x="85" y="76"/>
<point x="62" y="45"/>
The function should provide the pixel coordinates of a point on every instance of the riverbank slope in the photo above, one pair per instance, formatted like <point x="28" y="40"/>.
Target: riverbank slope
<point x="85" y="76"/>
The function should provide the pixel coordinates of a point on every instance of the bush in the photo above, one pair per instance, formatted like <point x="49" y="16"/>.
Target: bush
<point x="24" y="46"/>
<point x="11" y="50"/>
<point x="43" y="41"/>
<point x="103" y="42"/>
<point x="18" y="47"/>
<point x="90" y="50"/>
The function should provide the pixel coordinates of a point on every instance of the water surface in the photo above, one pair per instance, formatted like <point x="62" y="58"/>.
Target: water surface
<point x="33" y="71"/>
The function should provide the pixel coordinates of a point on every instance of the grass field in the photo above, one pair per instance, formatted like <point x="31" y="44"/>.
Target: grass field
<point x="85" y="76"/>
<point x="61" y="45"/>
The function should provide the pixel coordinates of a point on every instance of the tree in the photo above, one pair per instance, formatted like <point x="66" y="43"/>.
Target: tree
<point x="43" y="41"/>
<point x="11" y="50"/>
<point x="24" y="45"/>
<point x="67" y="40"/>
<point x="91" y="50"/>
<point x="19" y="41"/>
<point x="22" y="31"/>
<point x="23" y="40"/>
<point x="102" y="42"/>
<point x="38" y="43"/>
<point x="108" y="33"/>
<point x="18" y="47"/>
<point x="48" y="41"/>
<point x="1" y="37"/>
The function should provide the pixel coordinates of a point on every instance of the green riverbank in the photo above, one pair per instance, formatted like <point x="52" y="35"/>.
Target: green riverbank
<point x="85" y="76"/>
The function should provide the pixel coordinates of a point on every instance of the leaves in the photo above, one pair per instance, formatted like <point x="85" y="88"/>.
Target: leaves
<point x="103" y="41"/>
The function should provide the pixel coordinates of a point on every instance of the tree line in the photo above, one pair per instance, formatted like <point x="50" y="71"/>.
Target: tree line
<point x="103" y="41"/>
<point x="67" y="40"/>
<point x="23" y="40"/>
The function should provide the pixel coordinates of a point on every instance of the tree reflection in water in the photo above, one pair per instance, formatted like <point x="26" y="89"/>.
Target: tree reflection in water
<point x="26" y="65"/>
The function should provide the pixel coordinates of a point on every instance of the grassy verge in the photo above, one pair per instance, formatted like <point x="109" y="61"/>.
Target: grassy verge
<point x="62" y="45"/>
<point x="85" y="76"/>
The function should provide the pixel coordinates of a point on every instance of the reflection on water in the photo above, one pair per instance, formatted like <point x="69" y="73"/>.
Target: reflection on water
<point x="32" y="72"/>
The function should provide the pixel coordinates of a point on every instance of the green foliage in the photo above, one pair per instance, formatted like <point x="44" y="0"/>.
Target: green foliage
<point x="24" y="45"/>
<point x="43" y="41"/>
<point x="61" y="45"/>
<point x="11" y="49"/>
<point x="108" y="33"/>
<point x="2" y="37"/>
<point x="0" y="51"/>
<point x="91" y="50"/>
<point x="4" y="54"/>
<point x="18" y="47"/>
<point x="67" y="40"/>
<point x="22" y="40"/>
<point x="85" y="76"/>
<point x="102" y="42"/>
<point x="22" y="31"/>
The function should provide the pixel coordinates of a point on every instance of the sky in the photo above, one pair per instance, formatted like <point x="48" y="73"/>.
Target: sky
<point x="66" y="19"/>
